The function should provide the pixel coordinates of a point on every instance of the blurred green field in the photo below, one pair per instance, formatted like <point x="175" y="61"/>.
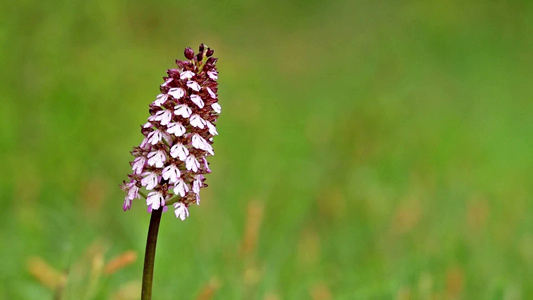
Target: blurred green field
<point x="383" y="150"/>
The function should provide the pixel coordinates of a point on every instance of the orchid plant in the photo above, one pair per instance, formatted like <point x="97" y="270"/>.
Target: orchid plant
<point x="171" y="160"/>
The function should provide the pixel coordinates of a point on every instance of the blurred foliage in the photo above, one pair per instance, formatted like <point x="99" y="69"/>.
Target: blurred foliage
<point x="384" y="148"/>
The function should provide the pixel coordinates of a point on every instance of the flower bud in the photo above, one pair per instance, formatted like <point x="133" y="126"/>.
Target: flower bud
<point x="200" y="56"/>
<point x="189" y="53"/>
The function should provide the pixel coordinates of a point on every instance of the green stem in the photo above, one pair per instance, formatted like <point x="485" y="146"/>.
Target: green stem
<point x="149" y="256"/>
<point x="172" y="200"/>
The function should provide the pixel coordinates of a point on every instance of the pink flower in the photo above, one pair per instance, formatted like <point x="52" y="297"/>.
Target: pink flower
<point x="191" y="163"/>
<point x="194" y="85"/>
<point x="179" y="151"/>
<point x="199" y="142"/>
<point x="186" y="75"/>
<point x="160" y="99"/>
<point x="181" y="188"/>
<point x="211" y="93"/>
<point x="197" y="121"/>
<point x="170" y="161"/>
<point x="171" y="173"/>
<point x="176" y="129"/>
<point x="177" y="93"/>
<point x="157" y="158"/>
<point x="155" y="200"/>
<point x="138" y="164"/>
<point x="216" y="107"/>
<point x="182" y="110"/>
<point x="181" y="211"/>
<point x="163" y="116"/>
<point x="150" y="180"/>
<point x="213" y="74"/>
<point x="197" y="100"/>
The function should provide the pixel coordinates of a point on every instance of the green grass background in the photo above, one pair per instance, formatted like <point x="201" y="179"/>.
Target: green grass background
<point x="389" y="143"/>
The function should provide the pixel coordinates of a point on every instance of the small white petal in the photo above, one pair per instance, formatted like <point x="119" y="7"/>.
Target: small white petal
<point x="197" y="184"/>
<point x="167" y="81"/>
<point x="138" y="165"/>
<point x="182" y="110"/>
<point x="155" y="200"/>
<point x="181" y="188"/>
<point x="150" y="180"/>
<point x="209" y="149"/>
<point x="157" y="158"/>
<point x="197" y="121"/>
<point x="176" y="129"/>
<point x="163" y="116"/>
<point x="127" y="203"/>
<point x="179" y="151"/>
<point x="213" y="74"/>
<point x="133" y="193"/>
<point x="155" y="136"/>
<point x="177" y="93"/>
<point x="216" y="107"/>
<point x="191" y="163"/>
<point x="181" y="211"/>
<point x="186" y="75"/>
<point x="199" y="142"/>
<point x="206" y="165"/>
<point x="211" y="93"/>
<point x="171" y="173"/>
<point x="196" y="99"/>
<point x="193" y="85"/>
<point x="212" y="128"/>
<point x="147" y="125"/>
<point x="160" y="99"/>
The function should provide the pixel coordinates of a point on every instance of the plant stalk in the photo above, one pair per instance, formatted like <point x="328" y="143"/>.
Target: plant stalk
<point x="149" y="255"/>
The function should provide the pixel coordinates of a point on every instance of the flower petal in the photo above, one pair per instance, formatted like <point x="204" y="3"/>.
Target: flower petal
<point x="193" y="85"/>
<point x="181" y="188"/>
<point x="192" y="164"/>
<point x="196" y="99"/>
<point x="160" y="99"/>
<point x="150" y="180"/>
<point x="155" y="200"/>
<point x="179" y="151"/>
<point x="186" y="75"/>
<point x="211" y="93"/>
<point x="176" y="129"/>
<point x="182" y="110"/>
<point x="216" y="107"/>
<point x="181" y="211"/>
<point x="197" y="121"/>
<point x="213" y="74"/>
<point x="212" y="128"/>
<point x="177" y="93"/>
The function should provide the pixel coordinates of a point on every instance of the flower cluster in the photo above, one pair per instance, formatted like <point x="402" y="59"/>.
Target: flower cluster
<point x="178" y="137"/>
